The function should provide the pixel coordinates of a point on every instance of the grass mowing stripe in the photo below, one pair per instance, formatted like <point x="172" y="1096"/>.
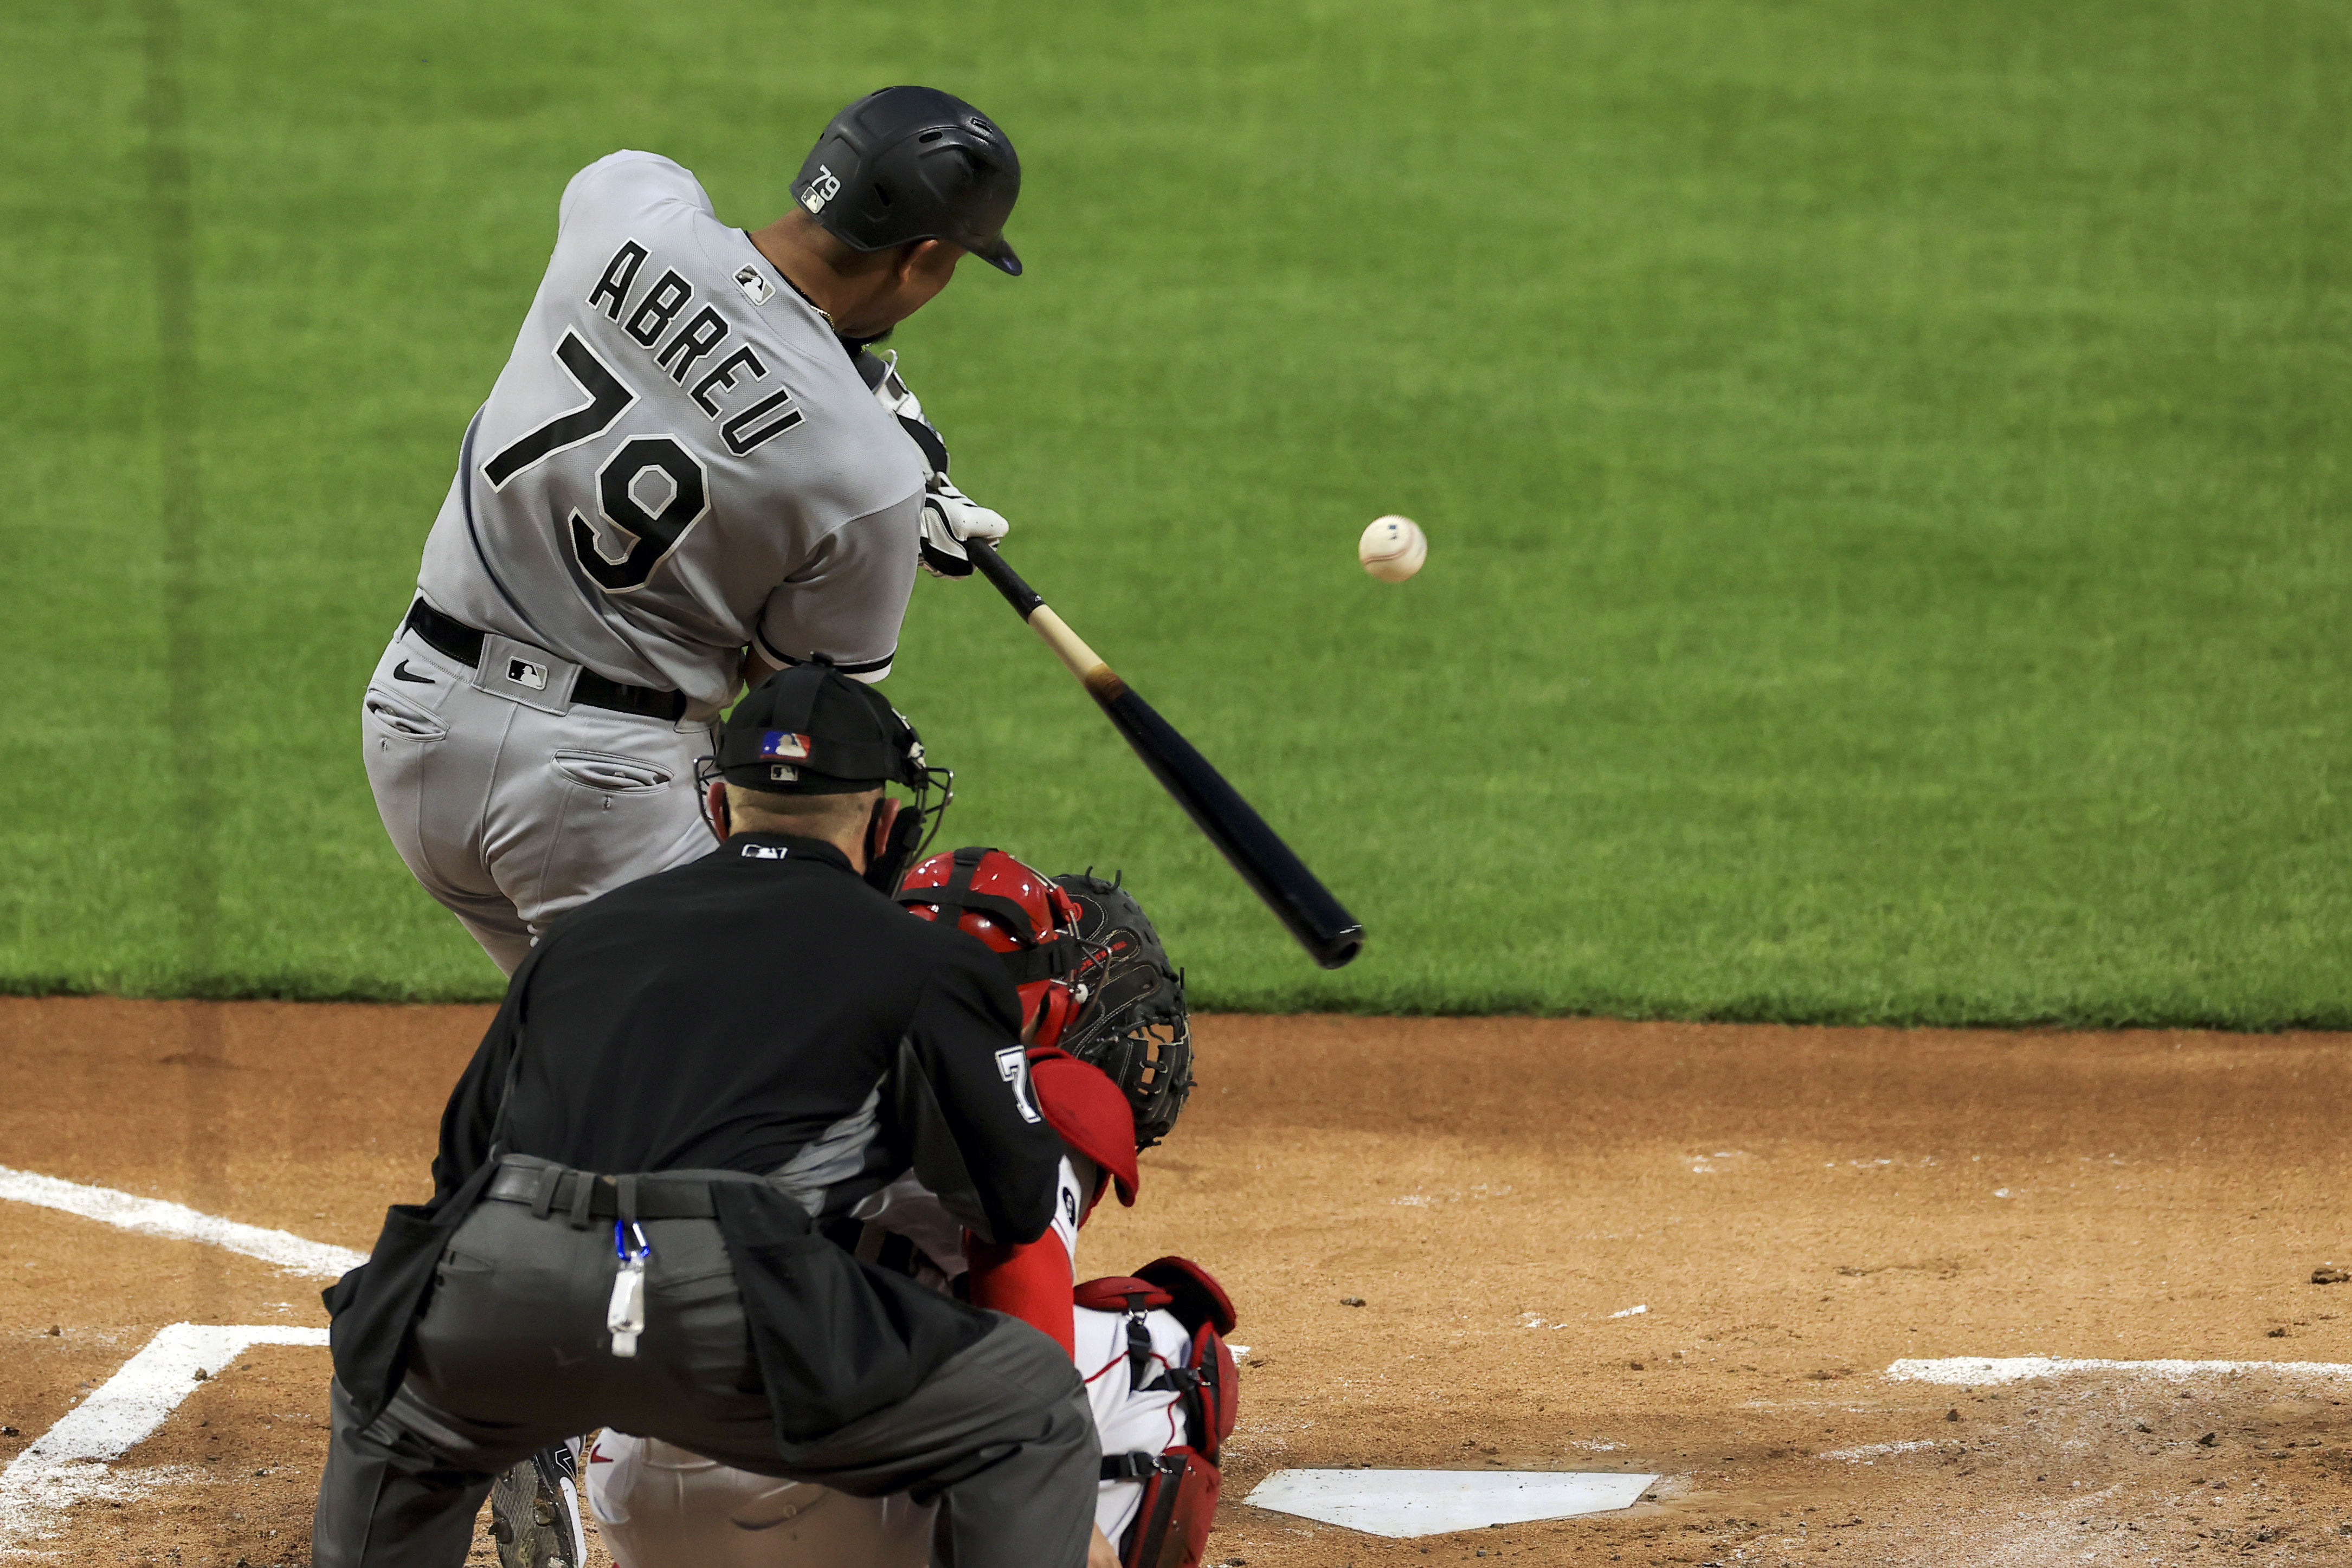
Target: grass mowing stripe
<point x="179" y="405"/>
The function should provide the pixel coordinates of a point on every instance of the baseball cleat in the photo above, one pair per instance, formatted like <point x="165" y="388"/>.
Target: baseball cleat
<point x="535" y="1513"/>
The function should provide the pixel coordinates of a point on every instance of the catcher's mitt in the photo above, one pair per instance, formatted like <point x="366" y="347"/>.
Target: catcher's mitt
<point x="1132" y="1024"/>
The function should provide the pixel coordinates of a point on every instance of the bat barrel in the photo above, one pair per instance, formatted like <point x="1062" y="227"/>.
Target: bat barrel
<point x="1322" y="926"/>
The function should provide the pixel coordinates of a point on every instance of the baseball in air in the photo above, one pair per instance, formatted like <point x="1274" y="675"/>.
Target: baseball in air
<point x="1393" y="548"/>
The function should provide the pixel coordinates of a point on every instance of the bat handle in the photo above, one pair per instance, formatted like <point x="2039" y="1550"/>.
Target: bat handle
<point x="1003" y="578"/>
<point x="1097" y="677"/>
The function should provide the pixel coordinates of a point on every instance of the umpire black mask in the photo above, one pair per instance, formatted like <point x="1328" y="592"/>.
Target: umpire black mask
<point x="811" y="730"/>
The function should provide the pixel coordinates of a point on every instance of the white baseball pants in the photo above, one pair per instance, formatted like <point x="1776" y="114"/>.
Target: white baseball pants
<point x="662" y="1507"/>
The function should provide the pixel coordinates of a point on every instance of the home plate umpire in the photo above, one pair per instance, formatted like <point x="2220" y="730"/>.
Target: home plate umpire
<point x="690" y="1075"/>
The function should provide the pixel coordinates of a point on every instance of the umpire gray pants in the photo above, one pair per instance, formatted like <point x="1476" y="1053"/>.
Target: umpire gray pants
<point x="511" y="1356"/>
<point x="511" y="813"/>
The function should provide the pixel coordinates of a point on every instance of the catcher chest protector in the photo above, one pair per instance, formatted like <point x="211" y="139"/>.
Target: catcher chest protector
<point x="1179" y="1484"/>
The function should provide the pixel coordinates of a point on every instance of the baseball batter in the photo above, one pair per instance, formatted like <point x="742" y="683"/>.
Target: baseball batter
<point x="692" y="471"/>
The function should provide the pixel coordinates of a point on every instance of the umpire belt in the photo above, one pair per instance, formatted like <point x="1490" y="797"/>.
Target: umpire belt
<point x="446" y="635"/>
<point x="581" y="1196"/>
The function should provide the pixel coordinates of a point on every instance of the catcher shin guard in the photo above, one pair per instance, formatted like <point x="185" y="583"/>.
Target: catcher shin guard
<point x="1171" y="1357"/>
<point x="1179" y="1503"/>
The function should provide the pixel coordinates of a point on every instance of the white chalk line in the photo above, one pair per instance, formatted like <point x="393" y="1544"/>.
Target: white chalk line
<point x="1870" y="1452"/>
<point x="1975" y="1370"/>
<point x="68" y="1464"/>
<point x="152" y="1217"/>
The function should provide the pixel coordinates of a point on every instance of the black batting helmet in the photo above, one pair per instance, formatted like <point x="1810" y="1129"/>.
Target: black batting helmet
<point x="913" y="162"/>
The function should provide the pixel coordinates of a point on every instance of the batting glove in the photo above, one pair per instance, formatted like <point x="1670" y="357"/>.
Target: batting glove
<point x="950" y="518"/>
<point x="893" y="394"/>
<point x="892" y="391"/>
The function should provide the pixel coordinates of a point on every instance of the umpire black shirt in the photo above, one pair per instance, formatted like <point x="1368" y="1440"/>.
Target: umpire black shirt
<point x="760" y="1004"/>
<point x="762" y="1009"/>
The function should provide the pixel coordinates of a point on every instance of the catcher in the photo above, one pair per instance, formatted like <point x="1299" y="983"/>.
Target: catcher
<point x="1109" y="1065"/>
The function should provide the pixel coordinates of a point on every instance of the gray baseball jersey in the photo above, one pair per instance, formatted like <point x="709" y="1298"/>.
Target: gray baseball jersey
<point x="679" y="458"/>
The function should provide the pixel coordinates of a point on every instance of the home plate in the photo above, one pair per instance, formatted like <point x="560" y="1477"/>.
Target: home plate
<point x="1401" y="1503"/>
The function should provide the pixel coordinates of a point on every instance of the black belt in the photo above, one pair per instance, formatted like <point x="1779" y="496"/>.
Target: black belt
<point x="583" y="1196"/>
<point x="462" y="643"/>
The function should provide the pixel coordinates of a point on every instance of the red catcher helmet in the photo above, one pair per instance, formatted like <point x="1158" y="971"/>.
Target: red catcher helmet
<point x="1018" y="911"/>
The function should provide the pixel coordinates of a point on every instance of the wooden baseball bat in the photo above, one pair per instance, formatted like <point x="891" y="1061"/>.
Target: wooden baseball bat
<point x="1330" y="934"/>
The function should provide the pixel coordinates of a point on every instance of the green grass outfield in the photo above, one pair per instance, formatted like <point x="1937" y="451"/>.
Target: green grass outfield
<point x="1885" y="466"/>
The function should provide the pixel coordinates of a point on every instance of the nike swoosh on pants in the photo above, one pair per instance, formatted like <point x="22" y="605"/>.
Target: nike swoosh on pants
<point x="400" y="673"/>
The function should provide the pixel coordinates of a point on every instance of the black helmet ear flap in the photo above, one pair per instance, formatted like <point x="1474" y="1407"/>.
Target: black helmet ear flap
<point x="887" y="861"/>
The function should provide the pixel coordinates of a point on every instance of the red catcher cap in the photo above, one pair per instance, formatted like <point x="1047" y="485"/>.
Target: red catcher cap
<point x="1088" y="1110"/>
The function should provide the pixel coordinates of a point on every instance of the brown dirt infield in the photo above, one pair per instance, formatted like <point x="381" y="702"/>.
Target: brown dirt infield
<point x="1795" y="1208"/>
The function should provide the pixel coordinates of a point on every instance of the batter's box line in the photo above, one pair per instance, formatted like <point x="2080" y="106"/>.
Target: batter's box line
<point x="283" y="1250"/>
<point x="69" y="1463"/>
<point x="1971" y="1371"/>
